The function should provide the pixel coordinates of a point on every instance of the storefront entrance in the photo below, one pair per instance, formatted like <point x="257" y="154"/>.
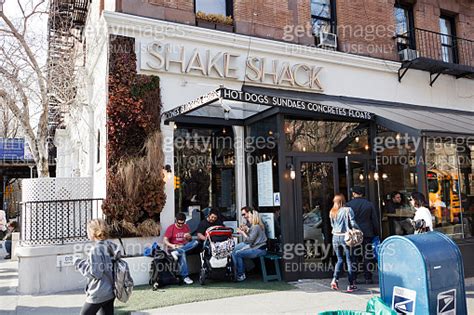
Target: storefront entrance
<point x="317" y="179"/>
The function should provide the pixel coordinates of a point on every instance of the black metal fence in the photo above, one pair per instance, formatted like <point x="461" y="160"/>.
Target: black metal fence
<point x="442" y="47"/>
<point x="57" y="221"/>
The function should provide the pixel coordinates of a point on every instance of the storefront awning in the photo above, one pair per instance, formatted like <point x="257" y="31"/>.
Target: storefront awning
<point x="404" y="118"/>
<point x="237" y="106"/>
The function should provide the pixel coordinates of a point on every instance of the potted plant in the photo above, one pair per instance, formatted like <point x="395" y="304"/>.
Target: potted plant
<point x="215" y="21"/>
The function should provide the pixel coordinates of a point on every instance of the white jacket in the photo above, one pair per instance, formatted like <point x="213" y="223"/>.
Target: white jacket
<point x="3" y="221"/>
<point x="425" y="214"/>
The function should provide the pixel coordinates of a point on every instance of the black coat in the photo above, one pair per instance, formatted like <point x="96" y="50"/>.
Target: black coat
<point x="365" y="216"/>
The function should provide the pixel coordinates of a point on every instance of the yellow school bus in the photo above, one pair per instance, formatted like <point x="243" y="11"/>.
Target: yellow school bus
<point x="443" y="188"/>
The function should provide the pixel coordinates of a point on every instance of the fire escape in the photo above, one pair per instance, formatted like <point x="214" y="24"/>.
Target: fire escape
<point x="66" y="23"/>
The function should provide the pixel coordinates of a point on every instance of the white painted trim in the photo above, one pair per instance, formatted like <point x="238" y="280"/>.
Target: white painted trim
<point x="131" y="25"/>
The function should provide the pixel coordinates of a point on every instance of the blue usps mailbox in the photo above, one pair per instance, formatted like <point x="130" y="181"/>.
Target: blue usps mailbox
<point x="422" y="274"/>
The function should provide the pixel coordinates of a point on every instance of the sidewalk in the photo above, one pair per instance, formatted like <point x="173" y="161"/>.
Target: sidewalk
<point x="312" y="296"/>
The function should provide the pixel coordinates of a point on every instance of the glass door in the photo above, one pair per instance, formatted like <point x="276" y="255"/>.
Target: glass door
<point x="316" y="184"/>
<point x="357" y="174"/>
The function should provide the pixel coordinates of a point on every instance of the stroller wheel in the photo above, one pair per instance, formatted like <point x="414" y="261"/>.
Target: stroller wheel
<point x="202" y="277"/>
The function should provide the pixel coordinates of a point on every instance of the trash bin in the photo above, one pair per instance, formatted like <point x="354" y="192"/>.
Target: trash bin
<point x="422" y="274"/>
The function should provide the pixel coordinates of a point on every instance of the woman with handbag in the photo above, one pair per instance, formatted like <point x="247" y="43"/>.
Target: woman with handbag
<point x="342" y="221"/>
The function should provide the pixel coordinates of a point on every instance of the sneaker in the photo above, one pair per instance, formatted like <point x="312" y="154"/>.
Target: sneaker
<point x="351" y="288"/>
<point x="7" y="257"/>
<point x="188" y="280"/>
<point x="334" y="285"/>
<point x="241" y="278"/>
<point x="175" y="255"/>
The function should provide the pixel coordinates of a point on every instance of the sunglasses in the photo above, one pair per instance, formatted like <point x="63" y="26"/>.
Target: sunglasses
<point x="180" y="222"/>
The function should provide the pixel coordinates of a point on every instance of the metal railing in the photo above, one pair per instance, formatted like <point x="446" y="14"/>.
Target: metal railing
<point x="57" y="222"/>
<point x="438" y="46"/>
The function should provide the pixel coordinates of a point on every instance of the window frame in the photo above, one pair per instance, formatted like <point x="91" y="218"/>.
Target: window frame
<point x="332" y="20"/>
<point x="229" y="7"/>
<point x="453" y="47"/>
<point x="410" y="26"/>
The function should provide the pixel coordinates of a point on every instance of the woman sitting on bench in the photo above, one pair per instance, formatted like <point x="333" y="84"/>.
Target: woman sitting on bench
<point x="254" y="242"/>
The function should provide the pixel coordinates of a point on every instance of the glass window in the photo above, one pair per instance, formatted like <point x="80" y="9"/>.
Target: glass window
<point x="262" y="150"/>
<point x="403" y="27"/>
<point x="322" y="16"/>
<point x="326" y="136"/>
<point x="212" y="6"/>
<point x="449" y="180"/>
<point x="261" y="146"/>
<point x="446" y="27"/>
<point x="397" y="179"/>
<point x="204" y="170"/>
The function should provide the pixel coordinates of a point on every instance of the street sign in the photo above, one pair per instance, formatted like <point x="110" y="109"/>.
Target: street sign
<point x="66" y="260"/>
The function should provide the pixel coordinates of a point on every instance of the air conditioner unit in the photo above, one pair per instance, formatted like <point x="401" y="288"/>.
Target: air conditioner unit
<point x="408" y="54"/>
<point x="327" y="40"/>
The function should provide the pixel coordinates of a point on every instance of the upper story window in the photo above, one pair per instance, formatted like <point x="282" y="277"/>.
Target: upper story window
<point x="404" y="27"/>
<point x="323" y="16"/>
<point x="448" y="48"/>
<point x="223" y="7"/>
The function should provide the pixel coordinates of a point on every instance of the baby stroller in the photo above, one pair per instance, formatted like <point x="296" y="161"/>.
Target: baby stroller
<point x="216" y="254"/>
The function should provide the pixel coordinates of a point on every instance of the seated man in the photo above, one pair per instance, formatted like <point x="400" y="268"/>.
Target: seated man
<point x="179" y="241"/>
<point x="12" y="228"/>
<point x="211" y="220"/>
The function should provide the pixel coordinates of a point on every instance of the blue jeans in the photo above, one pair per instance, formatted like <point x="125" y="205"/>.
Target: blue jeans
<point x="341" y="248"/>
<point x="239" y="254"/>
<point x="8" y="246"/>
<point x="183" y="264"/>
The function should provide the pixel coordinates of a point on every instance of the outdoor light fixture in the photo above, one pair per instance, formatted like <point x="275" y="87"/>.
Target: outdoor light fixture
<point x="357" y="139"/>
<point x="376" y="176"/>
<point x="1" y="5"/>
<point x="226" y="108"/>
<point x="291" y="168"/>
<point x="166" y="169"/>
<point x="384" y="176"/>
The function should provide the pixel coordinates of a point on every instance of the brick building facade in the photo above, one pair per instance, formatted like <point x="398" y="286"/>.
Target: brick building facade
<point x="363" y="27"/>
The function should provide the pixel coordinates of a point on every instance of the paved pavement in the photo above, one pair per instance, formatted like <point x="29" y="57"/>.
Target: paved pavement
<point x="312" y="296"/>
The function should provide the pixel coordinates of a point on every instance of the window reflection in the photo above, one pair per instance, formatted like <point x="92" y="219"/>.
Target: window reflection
<point x="204" y="170"/>
<point x="326" y="136"/>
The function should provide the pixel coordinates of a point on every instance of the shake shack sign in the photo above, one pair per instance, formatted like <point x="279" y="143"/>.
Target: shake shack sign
<point x="158" y="56"/>
<point x="223" y="94"/>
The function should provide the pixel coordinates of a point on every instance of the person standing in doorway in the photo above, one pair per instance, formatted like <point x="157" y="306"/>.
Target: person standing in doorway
<point x="367" y="219"/>
<point x="340" y="216"/>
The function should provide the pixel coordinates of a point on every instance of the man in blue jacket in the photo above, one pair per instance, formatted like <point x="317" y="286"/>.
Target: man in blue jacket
<point x="366" y="218"/>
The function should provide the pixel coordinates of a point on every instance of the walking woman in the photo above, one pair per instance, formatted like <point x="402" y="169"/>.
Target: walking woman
<point x="254" y="242"/>
<point x="340" y="215"/>
<point x="98" y="269"/>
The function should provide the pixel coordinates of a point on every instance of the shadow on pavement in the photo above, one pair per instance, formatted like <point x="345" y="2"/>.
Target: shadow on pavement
<point x="46" y="310"/>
